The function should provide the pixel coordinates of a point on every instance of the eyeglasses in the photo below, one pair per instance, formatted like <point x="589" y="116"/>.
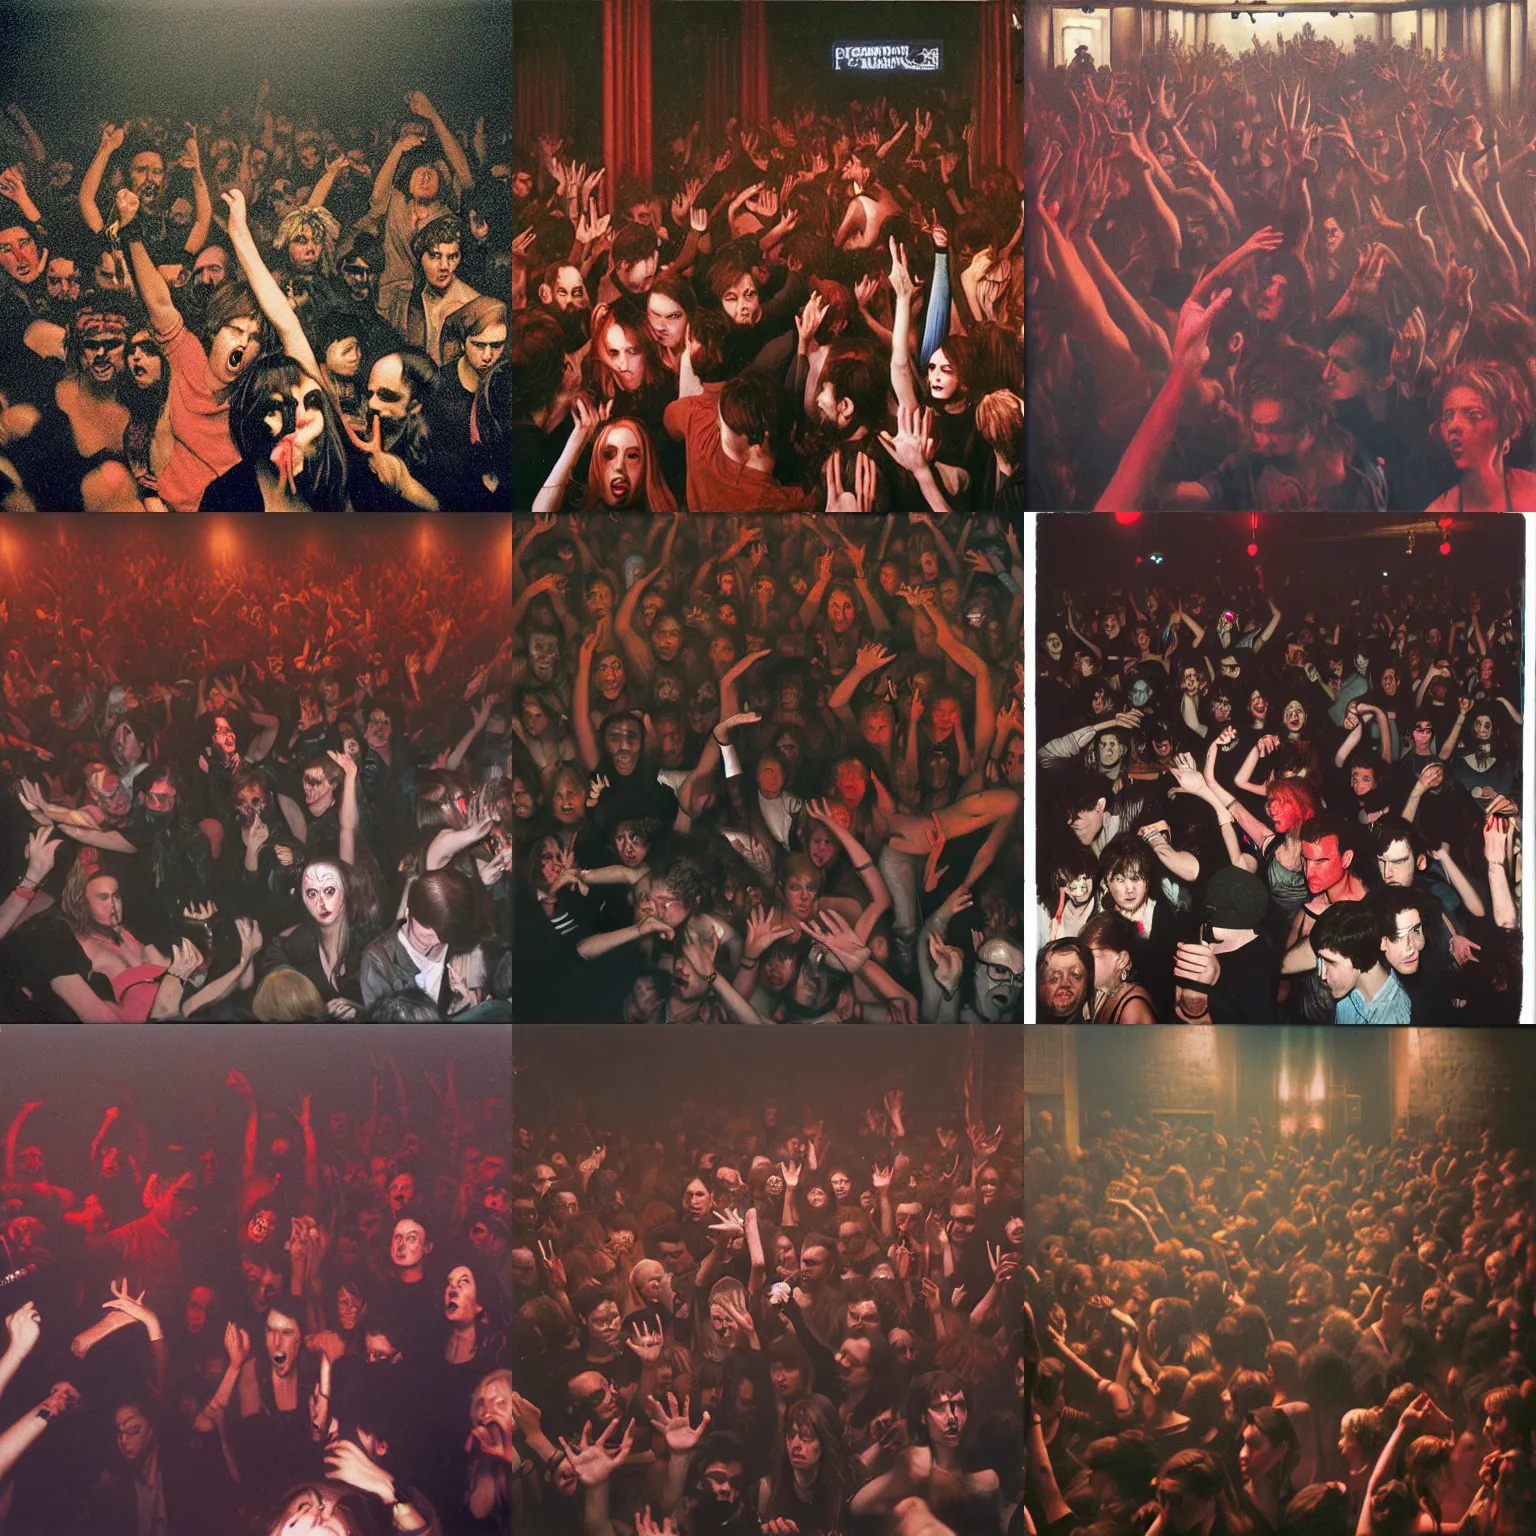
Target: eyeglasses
<point x="1001" y="973"/>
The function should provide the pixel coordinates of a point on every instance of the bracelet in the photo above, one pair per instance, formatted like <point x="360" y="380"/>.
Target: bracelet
<point x="712" y="978"/>
<point x="27" y="892"/>
<point x="748" y="962"/>
<point x="859" y="869"/>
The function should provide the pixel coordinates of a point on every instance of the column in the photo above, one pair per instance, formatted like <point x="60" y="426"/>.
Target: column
<point x="754" y="64"/>
<point x="999" y="139"/>
<point x="1495" y="27"/>
<point x="541" y="86"/>
<point x="626" y="92"/>
<point x="1037" y="39"/>
<point x="1401" y="1045"/>
<point x="720" y="83"/>
<point x="1125" y="35"/>
<point x="1517" y="45"/>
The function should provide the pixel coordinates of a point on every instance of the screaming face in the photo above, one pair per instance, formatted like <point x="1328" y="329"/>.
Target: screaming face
<point x="234" y="347"/>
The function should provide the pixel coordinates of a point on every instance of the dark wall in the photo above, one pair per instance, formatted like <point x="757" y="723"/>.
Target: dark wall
<point x="71" y="62"/>
<point x="1477" y="1078"/>
<point x="1298" y="546"/>
<point x="800" y="35"/>
<point x="619" y="1070"/>
<point x="175" y="1076"/>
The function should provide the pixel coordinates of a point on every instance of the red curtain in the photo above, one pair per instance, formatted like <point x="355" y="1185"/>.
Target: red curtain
<point x="626" y="92"/>
<point x="720" y="74"/>
<point x="754" y="64"/>
<point x="541" y="89"/>
<point x="1001" y="142"/>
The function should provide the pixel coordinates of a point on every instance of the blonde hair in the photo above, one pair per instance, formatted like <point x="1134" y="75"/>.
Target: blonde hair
<point x="729" y="1290"/>
<point x="1000" y="421"/>
<point x="496" y="1378"/>
<point x="288" y="997"/>
<point x="320" y="224"/>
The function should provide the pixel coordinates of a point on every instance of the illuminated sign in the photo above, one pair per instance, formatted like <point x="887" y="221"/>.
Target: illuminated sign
<point x="920" y="58"/>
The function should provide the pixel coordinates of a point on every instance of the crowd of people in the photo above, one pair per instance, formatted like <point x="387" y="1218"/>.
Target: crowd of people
<point x="824" y="314"/>
<point x="1293" y="804"/>
<point x="1299" y="277"/>
<point x="270" y="784"/>
<point x="767" y="771"/>
<point x="1266" y="1336"/>
<point x="267" y="311"/>
<point x="737" y="1316"/>
<point x="233" y="1310"/>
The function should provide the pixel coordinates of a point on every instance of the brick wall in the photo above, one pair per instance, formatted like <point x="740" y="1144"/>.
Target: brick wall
<point x="1480" y="1078"/>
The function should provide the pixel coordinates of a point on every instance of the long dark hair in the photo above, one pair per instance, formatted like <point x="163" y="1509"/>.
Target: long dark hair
<point x="322" y="481"/>
<point x="836" y="1476"/>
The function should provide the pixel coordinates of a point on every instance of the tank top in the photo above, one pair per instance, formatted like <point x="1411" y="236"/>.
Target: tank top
<point x="1287" y="887"/>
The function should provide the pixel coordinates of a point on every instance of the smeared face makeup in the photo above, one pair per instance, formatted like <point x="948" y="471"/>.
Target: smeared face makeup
<point x="324" y="894"/>
<point x="146" y="362"/>
<point x="236" y="346"/>
<point x="623" y="355"/>
<point x="620" y="466"/>
<point x="295" y="417"/>
<point x="943" y="382"/>
<point x="284" y="1340"/>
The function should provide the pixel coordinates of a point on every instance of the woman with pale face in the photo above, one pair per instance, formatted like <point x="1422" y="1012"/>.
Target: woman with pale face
<point x="619" y="464"/>
<point x="327" y="945"/>
<point x="619" y="349"/>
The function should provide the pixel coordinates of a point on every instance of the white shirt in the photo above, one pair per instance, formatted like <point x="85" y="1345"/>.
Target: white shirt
<point x="429" y="973"/>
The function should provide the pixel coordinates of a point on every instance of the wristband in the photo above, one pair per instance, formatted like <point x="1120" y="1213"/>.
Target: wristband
<point x="748" y="962"/>
<point x="859" y="869"/>
<point x="732" y="762"/>
<point x="45" y="1414"/>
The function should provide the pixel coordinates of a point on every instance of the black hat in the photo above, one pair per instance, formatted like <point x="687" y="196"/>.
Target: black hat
<point x="1235" y="899"/>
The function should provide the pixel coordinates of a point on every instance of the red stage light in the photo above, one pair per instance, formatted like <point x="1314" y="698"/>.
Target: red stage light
<point x="1445" y="547"/>
<point x="1125" y="519"/>
<point x="1253" y="549"/>
<point x="1445" y="524"/>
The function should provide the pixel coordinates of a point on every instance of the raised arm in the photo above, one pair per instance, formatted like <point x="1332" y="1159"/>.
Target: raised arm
<point x="202" y="204"/>
<point x="901" y="328"/>
<point x="90" y="184"/>
<point x="458" y="162"/>
<point x="586" y="741"/>
<point x="274" y="302"/>
<point x="863" y="866"/>
<point x="410" y="136"/>
<point x="154" y="291"/>
<point x="1135" y="477"/>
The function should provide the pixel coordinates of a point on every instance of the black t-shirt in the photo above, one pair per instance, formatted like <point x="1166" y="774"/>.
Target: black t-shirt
<point x="1245" y="991"/>
<point x="534" y="454"/>
<point x="236" y="490"/>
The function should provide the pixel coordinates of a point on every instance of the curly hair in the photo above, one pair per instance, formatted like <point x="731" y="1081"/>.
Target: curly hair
<point x="319" y="224"/>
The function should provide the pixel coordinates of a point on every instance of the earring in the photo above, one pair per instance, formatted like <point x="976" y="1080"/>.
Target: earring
<point x="1125" y="973"/>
